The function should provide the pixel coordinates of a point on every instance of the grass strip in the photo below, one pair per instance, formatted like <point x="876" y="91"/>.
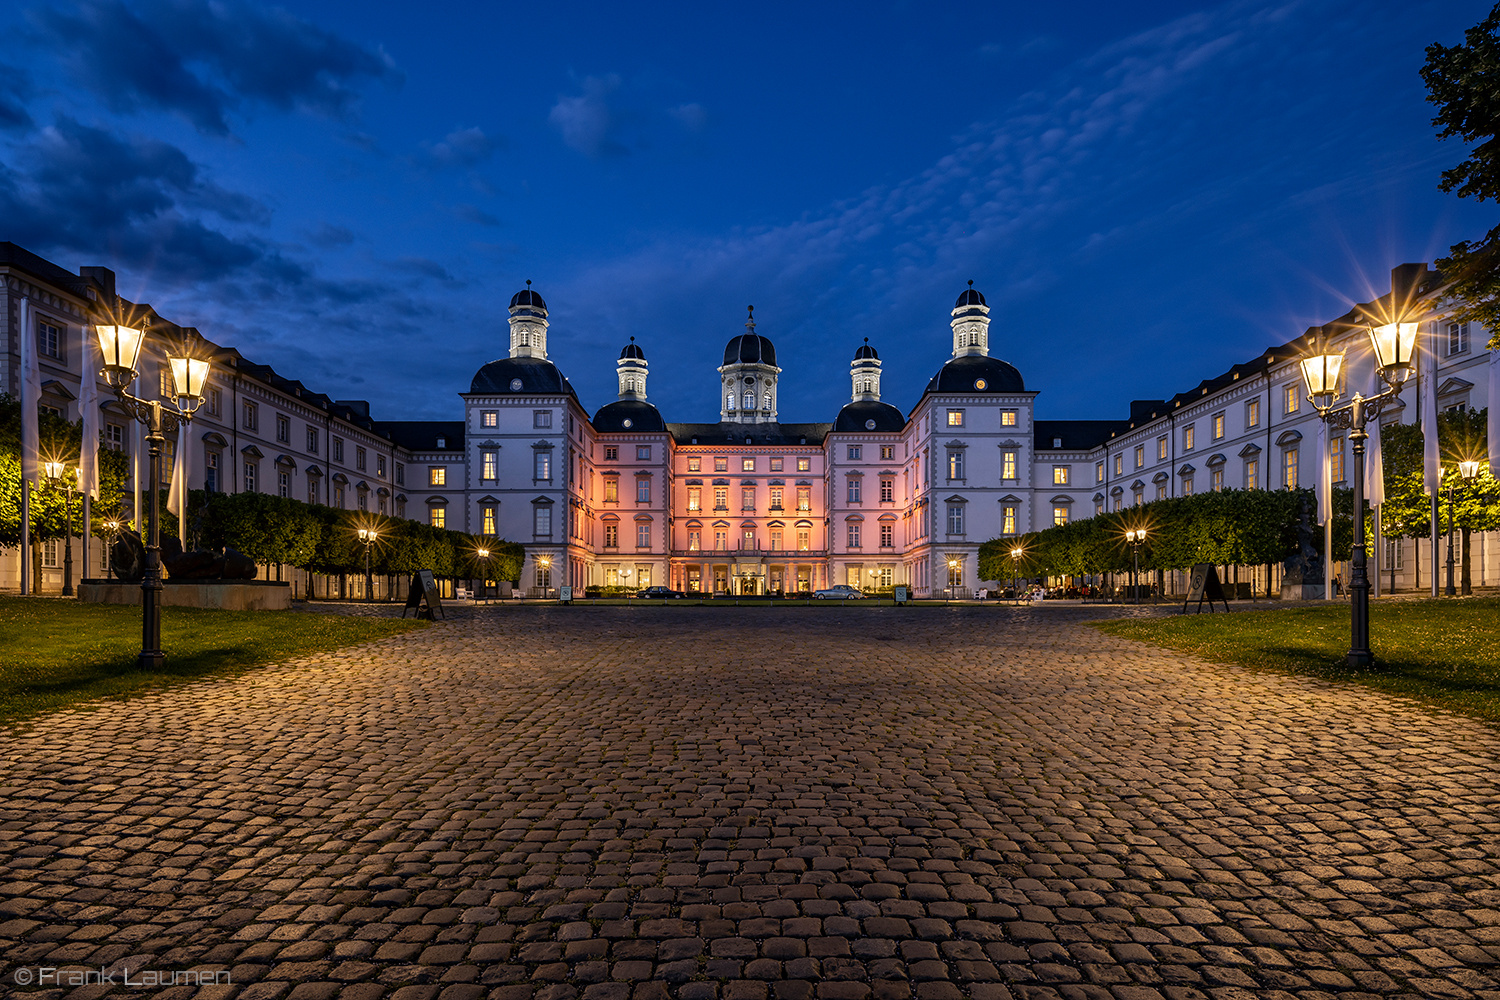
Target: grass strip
<point x="1444" y="653"/>
<point x="55" y="653"/>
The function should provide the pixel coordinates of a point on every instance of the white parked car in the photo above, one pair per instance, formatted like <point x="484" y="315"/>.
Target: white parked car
<point x="839" y="592"/>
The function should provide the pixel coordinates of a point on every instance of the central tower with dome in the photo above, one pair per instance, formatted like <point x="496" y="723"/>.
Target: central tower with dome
<point x="748" y="378"/>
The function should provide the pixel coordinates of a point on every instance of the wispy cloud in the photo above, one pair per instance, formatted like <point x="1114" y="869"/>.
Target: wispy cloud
<point x="586" y="121"/>
<point x="462" y="147"/>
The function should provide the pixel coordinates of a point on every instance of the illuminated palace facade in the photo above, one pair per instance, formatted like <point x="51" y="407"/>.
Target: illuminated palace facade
<point x="749" y="504"/>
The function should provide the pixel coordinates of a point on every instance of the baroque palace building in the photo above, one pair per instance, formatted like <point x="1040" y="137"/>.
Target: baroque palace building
<point x="751" y="504"/>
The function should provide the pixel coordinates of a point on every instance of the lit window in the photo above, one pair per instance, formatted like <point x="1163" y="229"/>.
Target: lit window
<point x="695" y="540"/>
<point x="1140" y="456"/>
<point x="1007" y="418"/>
<point x="1218" y="426"/>
<point x="721" y="498"/>
<point x="487" y="520"/>
<point x="1189" y="433"/>
<point x="437" y="516"/>
<point x="695" y="498"/>
<point x="1289" y="469"/>
<point x="721" y="463"/>
<point x="804" y="464"/>
<point x="1098" y="472"/>
<point x="804" y="498"/>
<point x="1161" y="447"/>
<point x="955" y="418"/>
<point x="1252" y="413"/>
<point x="695" y="465"/>
<point x="747" y="465"/>
<point x="1059" y="515"/>
<point x="1187" y="486"/>
<point x="489" y="418"/>
<point x="955" y="464"/>
<point x="611" y="489"/>
<point x="776" y="495"/>
<point x="887" y="452"/>
<point x="1007" y="465"/>
<point x="804" y="539"/>
<point x="1336" y="459"/>
<point x="437" y="475"/>
<point x="488" y="460"/>
<point x="1216" y="479"/>
<point x="1060" y="475"/>
<point x="1290" y="400"/>
<point x="1007" y="520"/>
<point x="1119" y="465"/>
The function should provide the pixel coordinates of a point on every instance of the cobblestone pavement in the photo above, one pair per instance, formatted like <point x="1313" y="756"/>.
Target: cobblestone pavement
<point x="736" y="804"/>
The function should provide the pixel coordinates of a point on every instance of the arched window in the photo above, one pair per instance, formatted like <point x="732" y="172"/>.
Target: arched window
<point x="768" y="400"/>
<point x="749" y="400"/>
<point x="525" y="339"/>
<point x="974" y="338"/>
<point x="729" y="401"/>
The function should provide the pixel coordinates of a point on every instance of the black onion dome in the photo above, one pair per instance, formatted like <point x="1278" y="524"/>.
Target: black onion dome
<point x="628" y="415"/>
<point x="529" y="300"/>
<point x="869" y="415"/>
<point x="977" y="373"/>
<point x="970" y="297"/>
<point x="865" y="351"/>
<point x="632" y="351"/>
<point x="750" y="348"/>
<point x="529" y="375"/>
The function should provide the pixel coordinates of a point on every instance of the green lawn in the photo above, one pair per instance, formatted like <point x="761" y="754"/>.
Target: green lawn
<point x="1445" y="653"/>
<point x="59" y="652"/>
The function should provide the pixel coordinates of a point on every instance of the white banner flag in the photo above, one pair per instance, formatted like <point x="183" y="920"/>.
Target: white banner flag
<point x="177" y="495"/>
<point x="31" y="397"/>
<point x="1432" y="466"/>
<point x="1374" y="467"/>
<point x="88" y="405"/>
<point x="1325" y="476"/>
<point x="1494" y="418"/>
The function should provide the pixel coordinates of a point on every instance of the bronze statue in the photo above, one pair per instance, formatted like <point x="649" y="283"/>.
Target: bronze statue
<point x="129" y="561"/>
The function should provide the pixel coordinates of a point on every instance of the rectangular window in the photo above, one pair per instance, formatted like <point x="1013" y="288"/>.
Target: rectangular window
<point x="955" y="464"/>
<point x="1161" y="447"/>
<point x="747" y="465"/>
<point x="338" y="497"/>
<point x="776" y="539"/>
<point x="48" y="339"/>
<point x="380" y="466"/>
<point x="747" y="498"/>
<point x="695" y="465"/>
<point x="437" y="516"/>
<point x="400" y="474"/>
<point x="854" y="452"/>
<point x="1336" y="460"/>
<point x="1252" y="474"/>
<point x="611" y="536"/>
<point x="338" y="449"/>
<point x="543" y="465"/>
<point x="1189" y="434"/>
<point x="1161" y="491"/>
<point x="1007" y="520"/>
<point x="1216" y="479"/>
<point x="1140" y="456"/>
<point x="541" y="517"/>
<point x="252" y="416"/>
<point x="854" y="489"/>
<point x="114" y="437"/>
<point x="804" y="465"/>
<point x="312" y="490"/>
<point x="955" y="418"/>
<point x="776" y="463"/>
<point x="776" y="495"/>
<point x="1119" y="465"/>
<point x="721" y="539"/>
<point x="283" y="429"/>
<point x="611" y="489"/>
<point x="1289" y="469"/>
<point x="643" y="491"/>
<point x="804" y="498"/>
<point x="721" y="498"/>
<point x="747" y="540"/>
<point x="695" y="498"/>
<point x="1008" y="418"/>
<point x="1458" y="338"/>
<point x="1008" y="465"/>
<point x="695" y="540"/>
<point x="487" y="520"/>
<point x="887" y="452"/>
<point x="887" y="490"/>
<point x="1290" y="398"/>
<point x="312" y="440"/>
<point x="168" y="387"/>
<point x="211" y="475"/>
<point x="643" y="453"/>
<point x="887" y="535"/>
<point x="955" y="519"/>
<point x="1218" y="426"/>
<point x="853" y="527"/>
<point x="1138" y="497"/>
<point x="804" y="539"/>
<point x="283" y="484"/>
<point x="1060" y="475"/>
<point x="1059" y="515"/>
<point x="249" y="477"/>
<point x="1252" y="413"/>
<point x="643" y="535"/>
<point x="721" y="463"/>
<point x="611" y="453"/>
<point x="488" y="461"/>
<point x="1393" y="555"/>
<point x="215" y="403"/>
<point x="49" y="554"/>
<point x="364" y="499"/>
<point x="1098" y="472"/>
<point x="489" y="418"/>
<point x="437" y="475"/>
<point x="541" y="418"/>
<point x="359" y="458"/>
<point x="1187" y="486"/>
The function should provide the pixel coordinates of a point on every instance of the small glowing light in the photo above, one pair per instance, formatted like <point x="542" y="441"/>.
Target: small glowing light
<point x="1394" y="344"/>
<point x="1468" y="470"/>
<point x="1321" y="372"/>
<point x="121" y="348"/>
<point x="55" y="470"/>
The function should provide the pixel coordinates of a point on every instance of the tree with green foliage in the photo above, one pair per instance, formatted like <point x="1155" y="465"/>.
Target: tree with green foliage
<point x="60" y="438"/>
<point x="1462" y="81"/>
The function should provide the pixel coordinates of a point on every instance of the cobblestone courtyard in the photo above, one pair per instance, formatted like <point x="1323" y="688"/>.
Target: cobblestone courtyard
<point x="734" y="804"/>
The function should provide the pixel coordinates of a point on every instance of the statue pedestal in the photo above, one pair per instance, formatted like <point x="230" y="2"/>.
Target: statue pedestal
<point x="226" y="595"/>
<point x="1301" y="591"/>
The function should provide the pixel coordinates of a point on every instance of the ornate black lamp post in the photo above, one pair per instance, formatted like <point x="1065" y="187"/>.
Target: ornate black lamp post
<point x="952" y="567"/>
<point x="1392" y="344"/>
<point x="484" y="583"/>
<point x="57" y="475"/>
<point x="113" y="527"/>
<point x="121" y="349"/>
<point x="1136" y="537"/>
<point x="368" y="536"/>
<point x="1015" y="575"/>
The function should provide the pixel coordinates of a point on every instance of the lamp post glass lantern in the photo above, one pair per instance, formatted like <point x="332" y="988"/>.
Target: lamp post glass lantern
<point x="120" y="347"/>
<point x="1392" y="345"/>
<point x="57" y="475"/>
<point x="1015" y="577"/>
<point x="484" y="582"/>
<point x="952" y="567"/>
<point x="368" y="536"/>
<point x="1136" y="537"/>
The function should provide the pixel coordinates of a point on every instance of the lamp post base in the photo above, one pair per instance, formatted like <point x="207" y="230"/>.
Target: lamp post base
<point x="152" y="660"/>
<point x="1360" y="659"/>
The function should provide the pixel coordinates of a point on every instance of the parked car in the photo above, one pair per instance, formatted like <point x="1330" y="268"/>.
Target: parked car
<point x="659" y="593"/>
<point x="839" y="592"/>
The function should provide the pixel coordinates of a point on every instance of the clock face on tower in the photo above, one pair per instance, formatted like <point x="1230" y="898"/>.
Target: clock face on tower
<point x="515" y="385"/>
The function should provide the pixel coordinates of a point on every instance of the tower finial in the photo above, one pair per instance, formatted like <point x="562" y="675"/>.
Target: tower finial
<point x="632" y="340"/>
<point x="971" y="282"/>
<point x="750" y="323"/>
<point x="528" y="282"/>
<point x="867" y="340"/>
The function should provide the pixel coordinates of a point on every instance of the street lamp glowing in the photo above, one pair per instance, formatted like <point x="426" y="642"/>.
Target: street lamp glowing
<point x="1321" y="373"/>
<point x="1134" y="535"/>
<point x="55" y="470"/>
<point x="1016" y="552"/>
<point x="368" y="535"/>
<point x="482" y="553"/>
<point x="188" y="376"/>
<point x="1394" y="344"/>
<point x="1468" y="470"/>
<point x="120" y="347"/>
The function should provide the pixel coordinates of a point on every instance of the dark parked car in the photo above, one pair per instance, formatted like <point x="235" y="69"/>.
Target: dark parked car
<point x="659" y="593"/>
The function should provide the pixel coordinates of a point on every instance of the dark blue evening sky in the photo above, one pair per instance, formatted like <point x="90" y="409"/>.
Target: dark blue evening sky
<point x="1147" y="193"/>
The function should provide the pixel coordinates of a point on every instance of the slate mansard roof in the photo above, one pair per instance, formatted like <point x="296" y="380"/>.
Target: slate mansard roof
<point x="977" y="373"/>
<point x="519" y="375"/>
<point x="628" y="415"/>
<point x="729" y="433"/>
<point x="869" y="415"/>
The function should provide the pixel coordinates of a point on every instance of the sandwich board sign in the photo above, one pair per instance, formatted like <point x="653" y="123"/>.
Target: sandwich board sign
<point x="1204" y="585"/>
<point x="424" y="588"/>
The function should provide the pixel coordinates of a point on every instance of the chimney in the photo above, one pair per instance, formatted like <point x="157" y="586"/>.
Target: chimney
<point x="1407" y="281"/>
<point x="103" y="275"/>
<point x="360" y="406"/>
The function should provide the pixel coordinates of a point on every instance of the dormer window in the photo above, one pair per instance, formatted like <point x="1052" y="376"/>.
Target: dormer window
<point x="442" y="442"/>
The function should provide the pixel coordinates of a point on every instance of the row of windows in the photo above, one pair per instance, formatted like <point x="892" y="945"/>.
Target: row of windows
<point x="747" y="496"/>
<point x="747" y="463"/>
<point x="251" y="422"/>
<point x="1008" y="418"/>
<point x="748" y="539"/>
<point x="540" y="419"/>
